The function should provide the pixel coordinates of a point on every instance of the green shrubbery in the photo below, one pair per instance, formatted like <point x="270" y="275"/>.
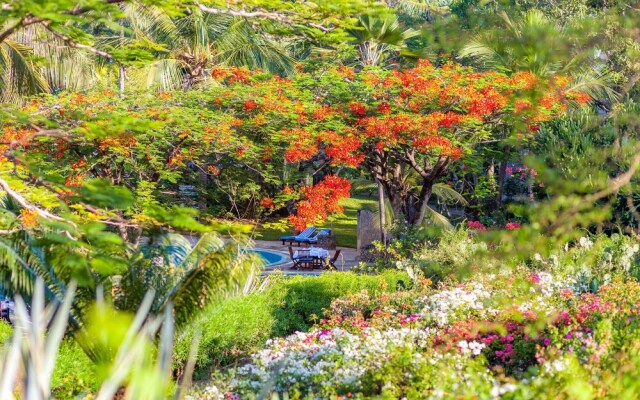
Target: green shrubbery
<point x="239" y="326"/>
<point x="593" y="260"/>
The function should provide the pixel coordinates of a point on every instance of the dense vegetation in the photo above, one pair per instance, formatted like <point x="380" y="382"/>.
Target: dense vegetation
<point x="145" y="143"/>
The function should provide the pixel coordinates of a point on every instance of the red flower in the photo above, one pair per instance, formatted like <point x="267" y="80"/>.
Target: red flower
<point x="476" y="225"/>
<point x="267" y="202"/>
<point x="384" y="108"/>
<point x="358" y="109"/>
<point x="250" y="105"/>
<point x="320" y="200"/>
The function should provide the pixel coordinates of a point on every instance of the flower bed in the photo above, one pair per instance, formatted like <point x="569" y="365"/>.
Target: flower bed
<point x="467" y="339"/>
<point x="525" y="333"/>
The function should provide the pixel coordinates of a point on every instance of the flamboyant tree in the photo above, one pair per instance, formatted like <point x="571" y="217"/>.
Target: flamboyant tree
<point x="258" y="138"/>
<point x="391" y="123"/>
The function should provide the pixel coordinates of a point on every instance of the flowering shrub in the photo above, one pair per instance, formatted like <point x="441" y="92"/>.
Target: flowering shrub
<point x="518" y="333"/>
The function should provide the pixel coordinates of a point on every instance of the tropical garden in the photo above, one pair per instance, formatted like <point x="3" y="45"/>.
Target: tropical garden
<point x="150" y="148"/>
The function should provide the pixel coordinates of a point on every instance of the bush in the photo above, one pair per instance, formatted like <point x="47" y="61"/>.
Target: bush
<point x="239" y="326"/>
<point x="460" y="341"/>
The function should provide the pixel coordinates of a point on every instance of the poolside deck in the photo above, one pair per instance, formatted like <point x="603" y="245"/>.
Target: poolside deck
<point x="346" y="261"/>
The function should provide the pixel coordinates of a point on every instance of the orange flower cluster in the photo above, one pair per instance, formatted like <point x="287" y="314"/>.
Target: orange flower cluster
<point x="19" y="137"/>
<point x="343" y="150"/>
<point x="302" y="145"/>
<point x="29" y="218"/>
<point x="320" y="200"/>
<point x="267" y="202"/>
<point x="121" y="144"/>
<point x="250" y="105"/>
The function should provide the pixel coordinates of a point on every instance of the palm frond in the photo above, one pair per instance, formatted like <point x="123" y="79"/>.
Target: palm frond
<point x="215" y="276"/>
<point x="448" y="194"/>
<point x="432" y="217"/>
<point x="19" y="76"/>
<point x="597" y="84"/>
<point x="480" y="50"/>
<point x="424" y="8"/>
<point x="241" y="45"/>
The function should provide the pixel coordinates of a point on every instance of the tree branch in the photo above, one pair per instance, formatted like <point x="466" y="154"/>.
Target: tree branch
<point x="73" y="44"/>
<point x="4" y="185"/>
<point x="278" y="17"/>
<point x="30" y="19"/>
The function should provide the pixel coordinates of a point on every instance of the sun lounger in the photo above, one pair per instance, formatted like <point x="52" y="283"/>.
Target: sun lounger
<point x="305" y="234"/>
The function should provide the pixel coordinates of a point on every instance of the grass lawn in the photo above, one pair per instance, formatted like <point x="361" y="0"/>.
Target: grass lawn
<point x="344" y="226"/>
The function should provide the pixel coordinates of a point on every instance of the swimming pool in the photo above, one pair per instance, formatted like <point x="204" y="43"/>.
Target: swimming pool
<point x="270" y="257"/>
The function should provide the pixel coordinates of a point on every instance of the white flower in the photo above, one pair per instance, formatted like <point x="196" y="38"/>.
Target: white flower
<point x="585" y="243"/>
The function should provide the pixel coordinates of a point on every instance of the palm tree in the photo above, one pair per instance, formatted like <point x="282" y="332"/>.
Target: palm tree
<point x="187" y="46"/>
<point x="546" y="49"/>
<point x="185" y="275"/>
<point x="33" y="61"/>
<point x="377" y="38"/>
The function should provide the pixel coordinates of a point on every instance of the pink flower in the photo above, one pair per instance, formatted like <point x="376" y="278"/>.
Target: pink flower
<point x="534" y="278"/>
<point x="476" y="225"/>
<point x="510" y="226"/>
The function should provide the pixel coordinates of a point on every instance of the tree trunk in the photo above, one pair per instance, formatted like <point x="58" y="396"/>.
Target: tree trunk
<point x="382" y="211"/>
<point x="121" y="70"/>
<point x="417" y="216"/>
<point x="502" y="175"/>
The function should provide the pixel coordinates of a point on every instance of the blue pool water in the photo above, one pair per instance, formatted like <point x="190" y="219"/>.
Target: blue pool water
<point x="270" y="257"/>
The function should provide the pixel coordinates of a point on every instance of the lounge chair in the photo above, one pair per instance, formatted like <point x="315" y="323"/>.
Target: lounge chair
<point x="302" y="235"/>
<point x="300" y="262"/>
<point x="314" y="239"/>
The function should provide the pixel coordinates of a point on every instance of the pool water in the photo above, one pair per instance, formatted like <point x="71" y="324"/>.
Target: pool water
<point x="270" y="257"/>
